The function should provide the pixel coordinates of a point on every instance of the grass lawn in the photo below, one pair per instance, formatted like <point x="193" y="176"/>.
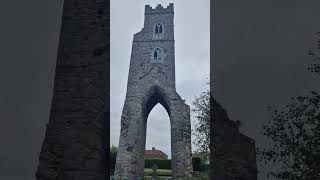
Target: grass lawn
<point x="164" y="174"/>
<point x="158" y="170"/>
<point x="161" y="173"/>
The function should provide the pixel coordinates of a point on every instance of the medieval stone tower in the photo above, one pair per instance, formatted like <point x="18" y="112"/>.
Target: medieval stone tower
<point x="74" y="146"/>
<point x="152" y="80"/>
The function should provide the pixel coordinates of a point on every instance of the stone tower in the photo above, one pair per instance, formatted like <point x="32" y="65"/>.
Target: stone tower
<point x="151" y="80"/>
<point x="74" y="146"/>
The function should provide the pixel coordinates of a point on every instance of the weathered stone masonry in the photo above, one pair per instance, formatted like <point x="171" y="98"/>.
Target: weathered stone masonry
<point x="233" y="155"/>
<point x="151" y="80"/>
<point x="74" y="147"/>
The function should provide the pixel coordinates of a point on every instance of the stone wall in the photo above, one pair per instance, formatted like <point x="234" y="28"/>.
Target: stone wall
<point x="233" y="154"/>
<point x="74" y="146"/>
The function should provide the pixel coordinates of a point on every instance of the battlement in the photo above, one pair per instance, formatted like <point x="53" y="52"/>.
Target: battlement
<point x="159" y="9"/>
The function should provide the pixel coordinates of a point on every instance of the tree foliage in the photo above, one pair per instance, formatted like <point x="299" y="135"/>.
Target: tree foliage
<point x="196" y="163"/>
<point x="201" y="111"/>
<point x="113" y="157"/>
<point x="294" y="132"/>
<point x="295" y="135"/>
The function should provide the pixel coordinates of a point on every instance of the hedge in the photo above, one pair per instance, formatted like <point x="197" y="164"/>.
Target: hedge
<point x="161" y="163"/>
<point x="196" y="163"/>
<point x="160" y="172"/>
<point x="166" y="164"/>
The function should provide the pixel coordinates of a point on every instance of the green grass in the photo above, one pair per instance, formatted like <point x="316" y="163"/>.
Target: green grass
<point x="160" y="172"/>
<point x="160" y="178"/>
<point x="166" y="173"/>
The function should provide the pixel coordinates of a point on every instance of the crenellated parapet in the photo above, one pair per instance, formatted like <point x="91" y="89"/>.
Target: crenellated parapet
<point x="159" y="9"/>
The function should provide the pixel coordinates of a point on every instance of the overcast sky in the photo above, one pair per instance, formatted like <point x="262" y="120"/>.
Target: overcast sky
<point x="192" y="43"/>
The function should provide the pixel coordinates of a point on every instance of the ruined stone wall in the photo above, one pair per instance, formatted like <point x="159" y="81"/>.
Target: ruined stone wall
<point x="74" y="146"/>
<point x="233" y="154"/>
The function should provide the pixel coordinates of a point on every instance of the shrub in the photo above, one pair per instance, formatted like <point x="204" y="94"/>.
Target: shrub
<point x="113" y="157"/>
<point x="196" y="163"/>
<point x="160" y="172"/>
<point x="161" y="163"/>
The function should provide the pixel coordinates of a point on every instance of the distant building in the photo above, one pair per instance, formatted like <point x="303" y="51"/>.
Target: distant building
<point x="154" y="153"/>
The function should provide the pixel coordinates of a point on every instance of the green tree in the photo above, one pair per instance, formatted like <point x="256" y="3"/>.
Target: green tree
<point x="295" y="135"/>
<point x="201" y="111"/>
<point x="294" y="131"/>
<point x="113" y="157"/>
<point x="196" y="163"/>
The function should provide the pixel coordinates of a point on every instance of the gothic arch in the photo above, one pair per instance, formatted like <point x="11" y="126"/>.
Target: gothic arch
<point x="154" y="96"/>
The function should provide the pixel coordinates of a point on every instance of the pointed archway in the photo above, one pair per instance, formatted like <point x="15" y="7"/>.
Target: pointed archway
<point x="130" y="159"/>
<point x="151" y="80"/>
<point x="157" y="118"/>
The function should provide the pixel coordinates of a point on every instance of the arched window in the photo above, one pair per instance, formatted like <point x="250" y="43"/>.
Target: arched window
<point x="158" y="31"/>
<point x="158" y="28"/>
<point x="157" y="55"/>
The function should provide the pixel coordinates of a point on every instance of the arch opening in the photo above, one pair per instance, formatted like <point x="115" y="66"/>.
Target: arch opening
<point x="158" y="134"/>
<point x="157" y="123"/>
<point x="155" y="96"/>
